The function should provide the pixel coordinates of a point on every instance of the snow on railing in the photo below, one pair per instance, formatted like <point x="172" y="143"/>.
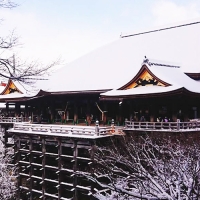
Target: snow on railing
<point x="176" y="126"/>
<point x="62" y="129"/>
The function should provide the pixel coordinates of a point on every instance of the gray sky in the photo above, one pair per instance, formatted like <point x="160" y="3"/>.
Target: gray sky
<point x="72" y="28"/>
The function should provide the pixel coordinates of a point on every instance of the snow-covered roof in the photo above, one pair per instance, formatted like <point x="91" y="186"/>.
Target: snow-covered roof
<point x="176" y="78"/>
<point x="113" y="65"/>
<point x="19" y="91"/>
<point x="1" y="88"/>
<point x="171" y="75"/>
<point x="140" y="90"/>
<point x="14" y="96"/>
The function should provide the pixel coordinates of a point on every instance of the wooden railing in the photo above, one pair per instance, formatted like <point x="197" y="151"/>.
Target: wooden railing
<point x="13" y="119"/>
<point x="62" y="129"/>
<point x="162" y="125"/>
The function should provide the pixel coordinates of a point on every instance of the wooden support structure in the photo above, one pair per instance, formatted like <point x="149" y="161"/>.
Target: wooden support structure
<point x="51" y="157"/>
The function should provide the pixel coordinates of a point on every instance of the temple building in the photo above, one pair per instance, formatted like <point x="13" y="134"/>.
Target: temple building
<point x="147" y="77"/>
<point x="144" y="76"/>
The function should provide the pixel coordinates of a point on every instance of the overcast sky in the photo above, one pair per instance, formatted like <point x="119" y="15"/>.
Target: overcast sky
<point x="72" y="28"/>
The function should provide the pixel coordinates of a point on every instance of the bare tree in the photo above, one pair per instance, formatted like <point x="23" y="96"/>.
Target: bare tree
<point x="11" y="67"/>
<point x="7" y="174"/>
<point x="7" y="4"/>
<point x="147" y="170"/>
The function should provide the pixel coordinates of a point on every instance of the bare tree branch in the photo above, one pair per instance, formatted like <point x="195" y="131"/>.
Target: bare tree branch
<point x="11" y="67"/>
<point x="7" y="4"/>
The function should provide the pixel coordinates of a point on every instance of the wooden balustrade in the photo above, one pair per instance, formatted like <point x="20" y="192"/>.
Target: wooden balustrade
<point x="61" y="129"/>
<point x="13" y="119"/>
<point x="162" y="125"/>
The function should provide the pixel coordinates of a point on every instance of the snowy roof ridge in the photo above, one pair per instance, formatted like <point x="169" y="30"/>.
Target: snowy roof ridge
<point x="160" y="29"/>
<point x="151" y="62"/>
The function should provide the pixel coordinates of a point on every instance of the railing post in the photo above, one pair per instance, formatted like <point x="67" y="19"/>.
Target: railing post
<point x="188" y="125"/>
<point x="178" y="124"/>
<point x="112" y="122"/>
<point x="126" y="123"/>
<point x="97" y="128"/>
<point x="113" y="125"/>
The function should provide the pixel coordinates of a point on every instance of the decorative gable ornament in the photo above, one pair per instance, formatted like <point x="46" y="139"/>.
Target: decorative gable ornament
<point x="145" y="77"/>
<point x="11" y="88"/>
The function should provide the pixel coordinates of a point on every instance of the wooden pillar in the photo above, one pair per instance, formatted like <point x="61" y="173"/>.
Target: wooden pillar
<point x="29" y="114"/>
<point x="17" y="110"/>
<point x="43" y="166"/>
<point x="30" y="168"/>
<point x="59" y="168"/>
<point x="174" y="112"/>
<point x="104" y="114"/>
<point x="5" y="134"/>
<point x="38" y="113"/>
<point x="75" y="114"/>
<point x="66" y="112"/>
<point x="26" y="115"/>
<point x="52" y="109"/>
<point x="7" y="108"/>
<point x="187" y="111"/>
<point x="152" y="112"/>
<point x="119" y="120"/>
<point x="88" y="114"/>
<point x="130" y="111"/>
<point x="67" y="115"/>
<point x="75" y="154"/>
<point x="91" y="165"/>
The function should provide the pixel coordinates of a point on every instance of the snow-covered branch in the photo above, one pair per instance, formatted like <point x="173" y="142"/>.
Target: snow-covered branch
<point x="148" y="170"/>
<point x="7" y="174"/>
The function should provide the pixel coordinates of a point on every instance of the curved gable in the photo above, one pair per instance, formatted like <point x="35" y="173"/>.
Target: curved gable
<point x="10" y="88"/>
<point x="144" y="78"/>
